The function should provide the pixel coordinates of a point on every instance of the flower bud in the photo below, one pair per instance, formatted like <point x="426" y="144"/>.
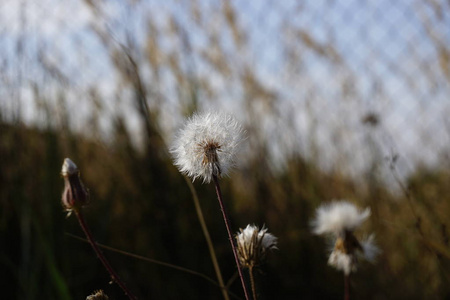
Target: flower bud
<point x="75" y="195"/>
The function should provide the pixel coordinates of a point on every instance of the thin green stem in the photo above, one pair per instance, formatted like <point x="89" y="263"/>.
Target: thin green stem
<point x="212" y="253"/>
<point x="252" y="281"/>
<point x="230" y="236"/>
<point x="112" y="273"/>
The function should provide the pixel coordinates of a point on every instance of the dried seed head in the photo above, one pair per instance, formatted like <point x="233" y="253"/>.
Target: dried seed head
<point x="344" y="255"/>
<point x="253" y="244"/>
<point x="340" y="219"/>
<point x="74" y="195"/>
<point x="98" y="295"/>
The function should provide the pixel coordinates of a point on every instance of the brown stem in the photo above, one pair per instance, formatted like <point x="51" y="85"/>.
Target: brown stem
<point x="252" y="281"/>
<point x="347" y="287"/>
<point x="230" y="236"/>
<point x="100" y="255"/>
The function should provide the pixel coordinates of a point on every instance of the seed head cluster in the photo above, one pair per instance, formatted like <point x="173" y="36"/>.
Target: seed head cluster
<point x="340" y="219"/>
<point x="207" y="145"/>
<point x="253" y="244"/>
<point x="98" y="295"/>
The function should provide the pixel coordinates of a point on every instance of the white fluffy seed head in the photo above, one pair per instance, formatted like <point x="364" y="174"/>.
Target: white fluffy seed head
<point x="253" y="244"/>
<point x="343" y="261"/>
<point x="338" y="217"/>
<point x="346" y="259"/>
<point x="207" y="145"/>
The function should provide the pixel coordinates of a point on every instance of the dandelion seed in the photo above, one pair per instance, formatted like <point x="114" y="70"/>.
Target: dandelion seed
<point x="253" y="244"/>
<point x="207" y="146"/>
<point x="340" y="219"/>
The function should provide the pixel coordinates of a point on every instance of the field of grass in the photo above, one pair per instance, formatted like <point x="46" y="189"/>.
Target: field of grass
<point x="142" y="205"/>
<point x="339" y="100"/>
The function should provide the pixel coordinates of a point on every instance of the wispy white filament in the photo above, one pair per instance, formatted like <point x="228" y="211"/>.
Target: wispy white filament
<point x="207" y="145"/>
<point x="348" y="262"/>
<point x="342" y="261"/>
<point x="338" y="217"/>
<point x="267" y="240"/>
<point x="370" y="249"/>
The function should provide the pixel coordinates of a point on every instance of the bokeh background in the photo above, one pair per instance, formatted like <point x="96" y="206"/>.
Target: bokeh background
<point x="340" y="99"/>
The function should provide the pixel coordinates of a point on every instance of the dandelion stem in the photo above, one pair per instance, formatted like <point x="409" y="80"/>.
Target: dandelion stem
<point x="347" y="287"/>
<point x="230" y="236"/>
<point x="252" y="281"/>
<point x="208" y="238"/>
<point x="100" y="255"/>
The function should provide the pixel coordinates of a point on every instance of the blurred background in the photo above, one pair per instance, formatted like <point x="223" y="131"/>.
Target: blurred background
<point x="340" y="99"/>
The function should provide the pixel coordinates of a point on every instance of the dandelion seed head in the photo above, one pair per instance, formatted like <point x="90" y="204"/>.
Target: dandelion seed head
<point x="346" y="254"/>
<point x="207" y="145"/>
<point x="253" y="244"/>
<point x="338" y="217"/>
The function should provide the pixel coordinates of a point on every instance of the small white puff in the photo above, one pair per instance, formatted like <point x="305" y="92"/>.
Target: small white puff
<point x="343" y="262"/>
<point x="337" y="217"/>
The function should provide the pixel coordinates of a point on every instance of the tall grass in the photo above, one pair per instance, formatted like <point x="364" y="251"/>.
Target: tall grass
<point x="132" y="213"/>
<point x="141" y="204"/>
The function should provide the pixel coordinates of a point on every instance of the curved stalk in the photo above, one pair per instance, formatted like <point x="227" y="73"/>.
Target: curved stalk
<point x="212" y="253"/>
<point x="252" y="282"/>
<point x="112" y="273"/>
<point x="230" y="236"/>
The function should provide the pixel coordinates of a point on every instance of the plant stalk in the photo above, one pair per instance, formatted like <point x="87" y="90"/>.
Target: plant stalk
<point x="230" y="236"/>
<point x="112" y="273"/>
<point x="201" y="219"/>
<point x="346" y="287"/>
<point x="252" y="281"/>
